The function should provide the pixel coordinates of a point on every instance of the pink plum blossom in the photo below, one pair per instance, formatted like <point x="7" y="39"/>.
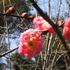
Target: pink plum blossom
<point x="42" y="24"/>
<point x="30" y="43"/>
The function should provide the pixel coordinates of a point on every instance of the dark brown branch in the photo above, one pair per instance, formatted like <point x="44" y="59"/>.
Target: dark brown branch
<point x="55" y="27"/>
<point x="1" y="55"/>
<point x="20" y="16"/>
<point x="1" y="14"/>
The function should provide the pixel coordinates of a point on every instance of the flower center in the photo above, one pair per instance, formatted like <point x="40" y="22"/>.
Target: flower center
<point x="30" y="44"/>
<point x="45" y="23"/>
<point x="32" y="41"/>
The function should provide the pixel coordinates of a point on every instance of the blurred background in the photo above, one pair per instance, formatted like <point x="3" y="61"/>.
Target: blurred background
<point x="53" y="56"/>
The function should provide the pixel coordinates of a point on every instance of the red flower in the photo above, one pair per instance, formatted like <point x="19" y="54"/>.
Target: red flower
<point x="42" y="24"/>
<point x="66" y="29"/>
<point x="67" y="23"/>
<point x="66" y="33"/>
<point x="30" y="43"/>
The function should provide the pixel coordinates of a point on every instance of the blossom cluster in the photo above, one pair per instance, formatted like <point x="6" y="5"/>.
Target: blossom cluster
<point x="31" y="40"/>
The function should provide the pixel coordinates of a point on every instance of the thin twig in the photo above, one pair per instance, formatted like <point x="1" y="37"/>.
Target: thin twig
<point x="53" y="60"/>
<point x="1" y="55"/>
<point x="1" y="14"/>
<point x="49" y="7"/>
<point x="59" y="7"/>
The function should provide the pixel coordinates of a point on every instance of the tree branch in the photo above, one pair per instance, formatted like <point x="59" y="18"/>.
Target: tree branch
<point x="1" y="55"/>
<point x="55" y="27"/>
